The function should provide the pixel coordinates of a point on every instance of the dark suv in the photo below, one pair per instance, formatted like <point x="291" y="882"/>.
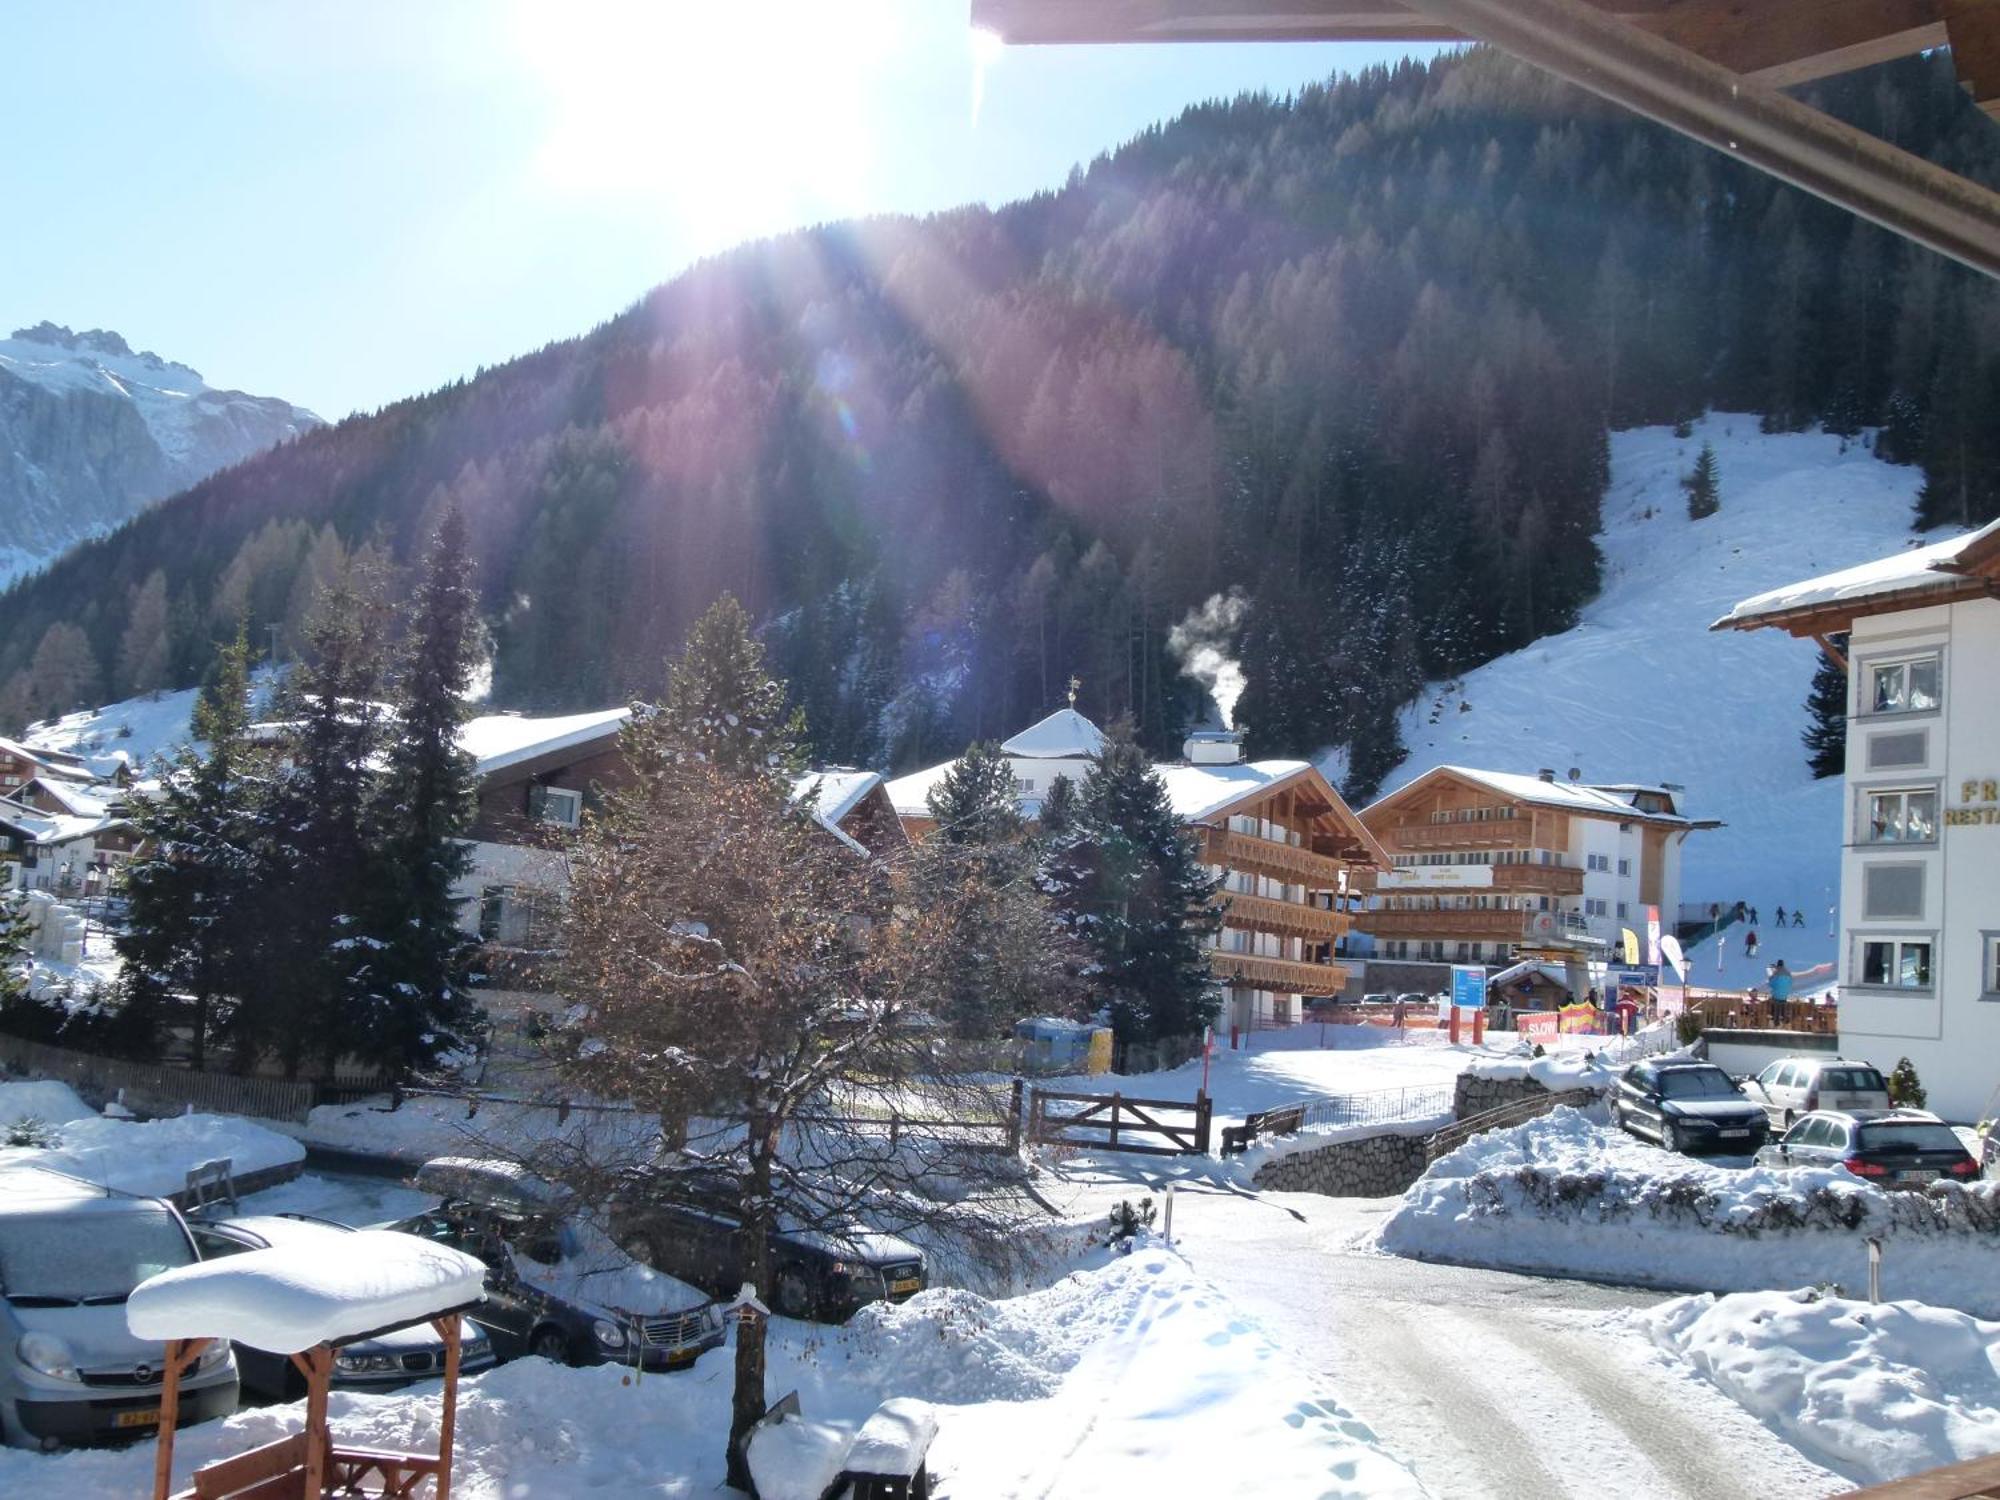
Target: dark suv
<point x="553" y="1287"/>
<point x="688" y="1226"/>
<point x="1899" y="1148"/>
<point x="1688" y="1106"/>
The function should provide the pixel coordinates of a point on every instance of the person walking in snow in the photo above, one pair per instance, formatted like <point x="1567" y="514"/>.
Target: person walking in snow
<point x="1781" y="916"/>
<point x="1798" y="916"/>
<point x="1781" y="993"/>
<point x="1753" y="916"/>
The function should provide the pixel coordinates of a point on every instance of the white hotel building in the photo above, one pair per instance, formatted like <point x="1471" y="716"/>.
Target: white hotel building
<point x="1920" y="865"/>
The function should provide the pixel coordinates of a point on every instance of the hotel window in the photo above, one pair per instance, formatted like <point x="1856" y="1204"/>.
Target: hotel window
<point x="1908" y="686"/>
<point x="1989" y="953"/>
<point x="1599" y="861"/>
<point x="1906" y="815"/>
<point x="1624" y="867"/>
<point x="1896" y="963"/>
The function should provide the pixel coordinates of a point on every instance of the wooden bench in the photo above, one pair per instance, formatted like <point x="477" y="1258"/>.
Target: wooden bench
<point x="887" y="1458"/>
<point x="276" y="1471"/>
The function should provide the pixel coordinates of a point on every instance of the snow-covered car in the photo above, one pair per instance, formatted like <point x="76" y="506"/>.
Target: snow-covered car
<point x="1795" y="1086"/>
<point x="70" y="1370"/>
<point x="555" y="1286"/>
<point x="1688" y="1106"/>
<point x="380" y="1363"/>
<point x="1895" y="1148"/>
<point x="689" y="1226"/>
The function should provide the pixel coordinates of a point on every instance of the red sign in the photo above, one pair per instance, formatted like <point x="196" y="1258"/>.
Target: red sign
<point x="1537" y="1025"/>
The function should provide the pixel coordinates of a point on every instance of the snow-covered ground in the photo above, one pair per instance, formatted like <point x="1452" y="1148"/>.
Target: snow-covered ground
<point x="1566" y="1195"/>
<point x="1136" y="1377"/>
<point x="1875" y="1392"/>
<point x="135" y="1157"/>
<point x="1642" y="690"/>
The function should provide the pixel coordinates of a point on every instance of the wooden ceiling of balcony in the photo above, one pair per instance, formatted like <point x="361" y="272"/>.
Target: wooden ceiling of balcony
<point x="1711" y="69"/>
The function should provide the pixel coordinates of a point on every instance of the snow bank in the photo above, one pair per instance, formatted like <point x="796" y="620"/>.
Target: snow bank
<point x="288" y="1298"/>
<point x="1139" y="1378"/>
<point x="41" y="1099"/>
<point x="154" y="1157"/>
<point x="1565" y="1195"/>
<point x="1875" y="1392"/>
<point x="1554" y="1071"/>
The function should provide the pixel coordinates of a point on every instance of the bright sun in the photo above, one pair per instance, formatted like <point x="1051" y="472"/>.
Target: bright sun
<point x="740" y="117"/>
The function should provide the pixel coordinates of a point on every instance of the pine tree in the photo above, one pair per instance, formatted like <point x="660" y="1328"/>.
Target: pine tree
<point x="418" y="1006"/>
<point x="722" y="705"/>
<point x="1128" y="882"/>
<point x="192" y="894"/>
<point x="142" y="650"/>
<point x="1825" y="734"/>
<point x="1703" y="485"/>
<point x="14" y="936"/>
<point x="975" y="802"/>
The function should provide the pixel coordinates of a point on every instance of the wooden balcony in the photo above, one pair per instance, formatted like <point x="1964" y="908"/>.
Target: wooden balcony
<point x="1291" y="918"/>
<point x="1499" y="926"/>
<point x="1494" y="833"/>
<point x="1283" y="974"/>
<point x="1288" y="862"/>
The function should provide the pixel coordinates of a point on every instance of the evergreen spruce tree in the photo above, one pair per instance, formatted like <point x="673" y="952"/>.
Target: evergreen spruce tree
<point x="1825" y="734"/>
<point x="423" y="803"/>
<point x="723" y="705"/>
<point x="1703" y="486"/>
<point x="1128" y="882"/>
<point x="1010" y="957"/>
<point x="14" y="934"/>
<point x="191" y="930"/>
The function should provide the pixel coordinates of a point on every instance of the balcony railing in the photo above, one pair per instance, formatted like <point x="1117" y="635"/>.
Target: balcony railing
<point x="1246" y="851"/>
<point x="1293" y="918"/>
<point x="1490" y="833"/>
<point x="1283" y="974"/>
<point x="1541" y="880"/>
<point x="1499" y="925"/>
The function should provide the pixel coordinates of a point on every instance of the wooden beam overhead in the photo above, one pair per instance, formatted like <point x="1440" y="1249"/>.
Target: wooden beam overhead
<point x="1649" y="56"/>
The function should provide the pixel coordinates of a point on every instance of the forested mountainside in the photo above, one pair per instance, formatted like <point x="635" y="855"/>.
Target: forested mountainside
<point x="1339" y="368"/>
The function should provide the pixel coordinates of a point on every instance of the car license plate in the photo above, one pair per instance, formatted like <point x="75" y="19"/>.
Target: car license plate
<point x="150" y="1417"/>
<point x="899" y="1288"/>
<point x="1730" y="1133"/>
<point x="1916" y="1177"/>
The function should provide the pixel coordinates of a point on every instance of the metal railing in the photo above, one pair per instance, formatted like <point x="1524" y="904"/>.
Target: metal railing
<point x="1375" y="1107"/>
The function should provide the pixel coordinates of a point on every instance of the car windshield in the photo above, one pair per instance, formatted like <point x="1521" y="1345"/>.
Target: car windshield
<point x="1913" y="1135"/>
<point x="1853" y="1081"/>
<point x="65" y="1259"/>
<point x="1696" y="1083"/>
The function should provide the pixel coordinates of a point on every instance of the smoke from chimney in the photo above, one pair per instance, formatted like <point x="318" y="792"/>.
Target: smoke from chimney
<point x="1205" y="643"/>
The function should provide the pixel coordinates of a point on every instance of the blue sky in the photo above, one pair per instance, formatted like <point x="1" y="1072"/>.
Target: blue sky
<point x="343" y="203"/>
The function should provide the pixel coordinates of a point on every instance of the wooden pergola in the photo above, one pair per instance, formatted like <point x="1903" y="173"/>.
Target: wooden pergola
<point x="294" y="1300"/>
<point x="1711" y="69"/>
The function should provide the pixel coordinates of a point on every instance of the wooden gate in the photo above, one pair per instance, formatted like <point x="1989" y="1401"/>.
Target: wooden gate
<point x="1117" y="1122"/>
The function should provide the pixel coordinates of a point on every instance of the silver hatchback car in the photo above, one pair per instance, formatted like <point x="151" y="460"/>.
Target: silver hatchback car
<point x="70" y="1371"/>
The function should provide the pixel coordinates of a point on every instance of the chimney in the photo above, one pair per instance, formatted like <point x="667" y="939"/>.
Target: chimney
<point x="1547" y="773"/>
<point x="1212" y="747"/>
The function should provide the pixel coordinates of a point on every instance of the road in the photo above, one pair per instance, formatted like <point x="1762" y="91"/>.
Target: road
<point x="1486" y="1383"/>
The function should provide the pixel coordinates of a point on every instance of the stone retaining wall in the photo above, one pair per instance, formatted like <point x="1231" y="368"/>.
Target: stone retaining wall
<point x="1474" y="1096"/>
<point x="1376" y="1166"/>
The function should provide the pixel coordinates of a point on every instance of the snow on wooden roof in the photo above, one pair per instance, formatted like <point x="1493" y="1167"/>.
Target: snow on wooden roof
<point x="289" y="1298"/>
<point x="1063" y="735"/>
<point x="497" y="741"/>
<point x="1201" y="791"/>
<point x="1571" y="796"/>
<point x="1912" y="573"/>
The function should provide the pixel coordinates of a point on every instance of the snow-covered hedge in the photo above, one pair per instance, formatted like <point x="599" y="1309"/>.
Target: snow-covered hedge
<point x="1876" y="1392"/>
<point x="1564" y="1194"/>
<point x="154" y="1157"/>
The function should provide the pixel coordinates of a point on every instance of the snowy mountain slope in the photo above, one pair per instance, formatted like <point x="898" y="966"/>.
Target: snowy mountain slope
<point x="91" y="432"/>
<point x="1641" y="690"/>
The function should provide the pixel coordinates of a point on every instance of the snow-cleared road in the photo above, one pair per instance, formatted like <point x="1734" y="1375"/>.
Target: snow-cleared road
<point x="1485" y="1382"/>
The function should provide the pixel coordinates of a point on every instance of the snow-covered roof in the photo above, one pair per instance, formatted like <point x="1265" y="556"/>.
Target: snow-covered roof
<point x="1201" y="791"/>
<point x="838" y="791"/>
<point x="56" y="763"/>
<point x="1918" y="568"/>
<point x="1570" y="796"/>
<point x="911" y="795"/>
<point x="497" y="741"/>
<point x="289" y="1298"/>
<point x="1063" y="735"/>
<point x="77" y="798"/>
<point x="55" y="828"/>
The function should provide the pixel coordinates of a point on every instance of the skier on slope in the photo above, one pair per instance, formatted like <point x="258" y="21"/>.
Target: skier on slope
<point x="1781" y="916"/>
<point x="1750" y="944"/>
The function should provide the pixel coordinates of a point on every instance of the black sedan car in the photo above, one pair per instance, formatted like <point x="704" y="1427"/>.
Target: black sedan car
<point x="1893" y="1148"/>
<point x="688" y="1226"/>
<point x="1688" y="1106"/>
<point x="381" y="1363"/>
<point x="554" y="1287"/>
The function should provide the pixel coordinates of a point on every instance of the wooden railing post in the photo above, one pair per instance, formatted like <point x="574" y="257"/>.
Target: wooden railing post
<point x="1204" y="1114"/>
<point x="1014" y="1118"/>
<point x="1117" y="1101"/>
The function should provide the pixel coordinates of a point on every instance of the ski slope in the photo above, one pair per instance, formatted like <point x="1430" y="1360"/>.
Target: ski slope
<point x="1642" y="690"/>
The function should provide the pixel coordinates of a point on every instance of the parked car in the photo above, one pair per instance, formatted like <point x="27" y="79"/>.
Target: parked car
<point x="555" y="1287"/>
<point x="70" y="1254"/>
<point x="1894" y="1148"/>
<point x="1378" y="997"/>
<point x="1795" y="1086"/>
<point x="380" y="1363"/>
<point x="1687" y="1106"/>
<point x="688" y="1226"/>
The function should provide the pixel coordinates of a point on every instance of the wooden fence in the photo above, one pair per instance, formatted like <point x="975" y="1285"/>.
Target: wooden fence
<point x="1116" y="1122"/>
<point x="153" y="1088"/>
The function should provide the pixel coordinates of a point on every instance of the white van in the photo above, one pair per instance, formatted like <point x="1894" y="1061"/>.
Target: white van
<point x="70" y="1371"/>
